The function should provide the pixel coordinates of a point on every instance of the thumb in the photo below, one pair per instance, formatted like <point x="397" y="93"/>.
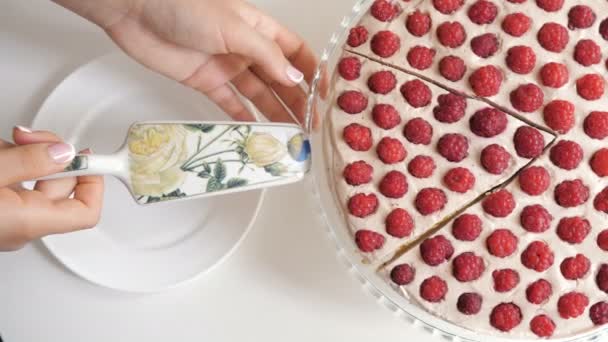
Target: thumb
<point x="27" y="162"/>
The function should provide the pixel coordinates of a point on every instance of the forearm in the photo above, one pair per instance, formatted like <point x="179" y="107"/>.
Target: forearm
<point x="104" y="13"/>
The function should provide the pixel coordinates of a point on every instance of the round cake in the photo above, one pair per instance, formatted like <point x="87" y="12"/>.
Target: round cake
<point x="470" y="159"/>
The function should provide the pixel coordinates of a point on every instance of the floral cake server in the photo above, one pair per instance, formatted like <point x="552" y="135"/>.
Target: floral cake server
<point x="162" y="161"/>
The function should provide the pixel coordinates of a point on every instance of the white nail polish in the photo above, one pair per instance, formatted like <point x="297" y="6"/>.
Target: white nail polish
<point x="294" y="74"/>
<point x="62" y="153"/>
<point x="23" y="129"/>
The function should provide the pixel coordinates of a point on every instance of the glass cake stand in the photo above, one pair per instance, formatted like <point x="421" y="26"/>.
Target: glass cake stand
<point x="334" y="221"/>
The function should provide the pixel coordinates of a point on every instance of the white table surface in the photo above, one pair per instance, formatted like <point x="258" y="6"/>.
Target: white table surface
<point x="283" y="283"/>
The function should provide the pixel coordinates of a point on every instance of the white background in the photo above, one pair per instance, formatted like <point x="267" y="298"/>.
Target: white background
<point x="283" y="283"/>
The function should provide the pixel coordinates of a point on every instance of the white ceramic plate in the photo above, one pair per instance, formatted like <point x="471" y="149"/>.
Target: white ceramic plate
<point x="135" y="248"/>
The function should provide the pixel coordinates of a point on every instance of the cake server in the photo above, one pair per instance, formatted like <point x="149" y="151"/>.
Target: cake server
<point x="162" y="161"/>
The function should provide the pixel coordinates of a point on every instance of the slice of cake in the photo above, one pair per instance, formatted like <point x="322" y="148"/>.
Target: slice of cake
<point x="408" y="154"/>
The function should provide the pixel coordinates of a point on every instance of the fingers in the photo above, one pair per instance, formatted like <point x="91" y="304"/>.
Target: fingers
<point x="84" y="208"/>
<point x="243" y="39"/>
<point x="26" y="162"/>
<point x="228" y="101"/>
<point x="250" y="86"/>
<point x="53" y="189"/>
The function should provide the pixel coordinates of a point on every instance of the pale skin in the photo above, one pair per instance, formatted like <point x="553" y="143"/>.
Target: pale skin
<point x="217" y="47"/>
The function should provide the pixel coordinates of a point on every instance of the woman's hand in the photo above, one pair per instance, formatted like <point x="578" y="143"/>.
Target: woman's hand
<point x="210" y="45"/>
<point x="26" y="215"/>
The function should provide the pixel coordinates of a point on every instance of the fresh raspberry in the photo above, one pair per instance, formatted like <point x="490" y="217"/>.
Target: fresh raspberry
<point x="488" y="122"/>
<point x="450" y="108"/>
<point x="447" y="6"/>
<point x="453" y="146"/>
<point x="566" y="154"/>
<point x="572" y="304"/>
<point x="590" y="87"/>
<point x="386" y="116"/>
<point x="580" y="16"/>
<point x="393" y="184"/>
<point x="357" y="36"/>
<point x="573" y="229"/>
<point x="384" y="10"/>
<point x="516" y="24"/>
<point x="358" y="173"/>
<point x="385" y="43"/>
<point x="539" y="291"/>
<point x="399" y="223"/>
<point x="349" y="68"/>
<point x="600" y="203"/>
<point x="534" y="180"/>
<point x="604" y="29"/>
<point x="416" y="93"/>
<point x="403" y="274"/>
<point x="418" y="131"/>
<point x="501" y="243"/>
<point x="467" y="267"/>
<point x="433" y="289"/>
<point x="368" y="241"/>
<point x="452" y="68"/>
<point x="495" y="159"/>
<point x="553" y="37"/>
<point x="587" y="52"/>
<point x="390" y="150"/>
<point x="529" y="142"/>
<point x="559" y="115"/>
<point x="459" y="179"/>
<point x="466" y="227"/>
<point x="421" y="166"/>
<point x="451" y="34"/>
<point x="537" y="256"/>
<point x="436" y="250"/>
<point x="486" y="81"/>
<point x="599" y="162"/>
<point x="499" y="204"/>
<point x="418" y="23"/>
<point x="352" y="101"/>
<point x="430" y="200"/>
<point x="469" y="303"/>
<point x="542" y="326"/>
<point x="535" y="218"/>
<point x="574" y="268"/>
<point x="358" y="137"/>
<point x="420" y="57"/>
<point x="554" y="74"/>
<point x="602" y="240"/>
<point x="505" y="279"/>
<point x="527" y="97"/>
<point x="598" y="313"/>
<point x="362" y="205"/>
<point x="596" y="125"/>
<point x="571" y="193"/>
<point x="505" y="316"/>
<point x="382" y="82"/>
<point x="521" y="59"/>
<point x="482" y="12"/>
<point x="601" y="279"/>
<point x="550" y="5"/>
<point x="485" y="45"/>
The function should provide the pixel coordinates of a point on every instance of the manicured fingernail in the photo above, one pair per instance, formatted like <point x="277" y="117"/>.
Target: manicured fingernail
<point x="86" y="151"/>
<point x="23" y="129"/>
<point x="294" y="74"/>
<point x="61" y="153"/>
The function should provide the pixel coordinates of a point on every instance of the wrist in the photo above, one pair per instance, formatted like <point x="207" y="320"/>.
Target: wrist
<point x="103" y="13"/>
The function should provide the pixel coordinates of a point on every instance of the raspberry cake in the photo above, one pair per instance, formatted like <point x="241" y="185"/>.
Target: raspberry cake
<point x="410" y="154"/>
<point x="469" y="154"/>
